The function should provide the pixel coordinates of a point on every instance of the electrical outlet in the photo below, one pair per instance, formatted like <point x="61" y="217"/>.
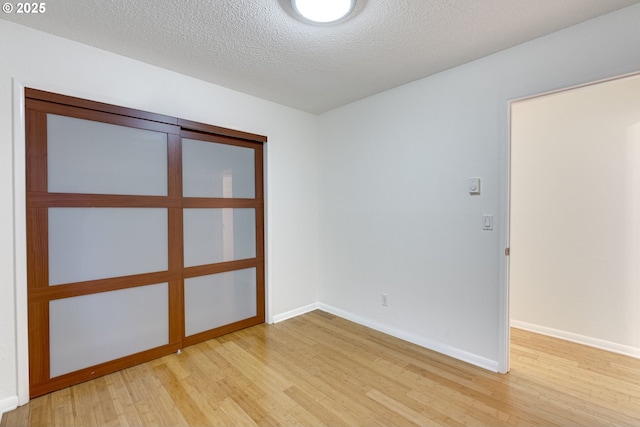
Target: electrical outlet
<point x="385" y="299"/>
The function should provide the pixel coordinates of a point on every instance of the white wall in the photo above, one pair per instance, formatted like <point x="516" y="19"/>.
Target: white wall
<point x="395" y="213"/>
<point x="575" y="214"/>
<point x="46" y="62"/>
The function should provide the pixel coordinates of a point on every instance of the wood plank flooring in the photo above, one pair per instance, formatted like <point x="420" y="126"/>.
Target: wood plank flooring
<point x="321" y="370"/>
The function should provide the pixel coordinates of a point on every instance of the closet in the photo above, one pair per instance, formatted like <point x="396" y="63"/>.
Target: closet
<point x="145" y="234"/>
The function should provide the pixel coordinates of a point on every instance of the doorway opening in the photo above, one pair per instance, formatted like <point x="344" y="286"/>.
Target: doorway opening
<point x="574" y="227"/>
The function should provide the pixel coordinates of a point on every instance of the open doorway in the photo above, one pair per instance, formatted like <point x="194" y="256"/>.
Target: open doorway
<point x="574" y="268"/>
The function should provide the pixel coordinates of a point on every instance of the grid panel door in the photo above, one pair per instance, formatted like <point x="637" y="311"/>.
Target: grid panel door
<point x="108" y="232"/>
<point x="223" y="212"/>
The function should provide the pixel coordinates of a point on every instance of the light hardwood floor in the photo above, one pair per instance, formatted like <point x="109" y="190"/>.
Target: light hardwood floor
<point x="318" y="369"/>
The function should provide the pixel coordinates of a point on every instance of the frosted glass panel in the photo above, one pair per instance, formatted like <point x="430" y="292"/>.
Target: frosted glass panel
<point x="92" y="329"/>
<point x="93" y="157"/>
<point x="217" y="170"/>
<point x="96" y="243"/>
<point x="217" y="235"/>
<point x="219" y="299"/>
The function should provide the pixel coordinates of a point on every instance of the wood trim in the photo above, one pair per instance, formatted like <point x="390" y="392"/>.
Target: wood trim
<point x="88" y="287"/>
<point x="45" y="200"/>
<point x="37" y="248"/>
<point x="259" y="172"/>
<point x="174" y="166"/>
<point x="102" y="117"/>
<point x="176" y="312"/>
<point x="176" y="244"/>
<point x="36" y="150"/>
<point x="221" y="267"/>
<point x="201" y="129"/>
<point x="219" y="139"/>
<point x="205" y="202"/>
<point x="216" y="130"/>
<point x="260" y="273"/>
<point x="65" y="100"/>
<point x="176" y="286"/>
<point x="260" y="233"/>
<point x="39" y="366"/>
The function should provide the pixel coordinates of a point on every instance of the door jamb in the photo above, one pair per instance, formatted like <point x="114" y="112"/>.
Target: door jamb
<point x="20" y="244"/>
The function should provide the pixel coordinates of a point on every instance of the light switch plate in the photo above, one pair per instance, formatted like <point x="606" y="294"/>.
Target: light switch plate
<point x="474" y="185"/>
<point x="487" y="222"/>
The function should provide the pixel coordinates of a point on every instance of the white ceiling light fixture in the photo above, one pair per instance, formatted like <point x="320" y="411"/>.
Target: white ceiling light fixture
<point x="323" y="11"/>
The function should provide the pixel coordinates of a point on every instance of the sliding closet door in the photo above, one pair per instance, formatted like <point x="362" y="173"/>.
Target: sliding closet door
<point x="223" y="243"/>
<point x="125" y="264"/>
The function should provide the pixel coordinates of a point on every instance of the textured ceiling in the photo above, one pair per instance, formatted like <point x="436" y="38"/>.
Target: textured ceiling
<point x="257" y="47"/>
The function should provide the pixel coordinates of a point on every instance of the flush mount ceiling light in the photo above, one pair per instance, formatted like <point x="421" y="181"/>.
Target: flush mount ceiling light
<point x="323" y="11"/>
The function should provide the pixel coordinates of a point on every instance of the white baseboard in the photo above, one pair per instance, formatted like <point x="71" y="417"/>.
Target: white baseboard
<point x="482" y="362"/>
<point x="8" y="404"/>
<point x="295" y="312"/>
<point x="579" y="339"/>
